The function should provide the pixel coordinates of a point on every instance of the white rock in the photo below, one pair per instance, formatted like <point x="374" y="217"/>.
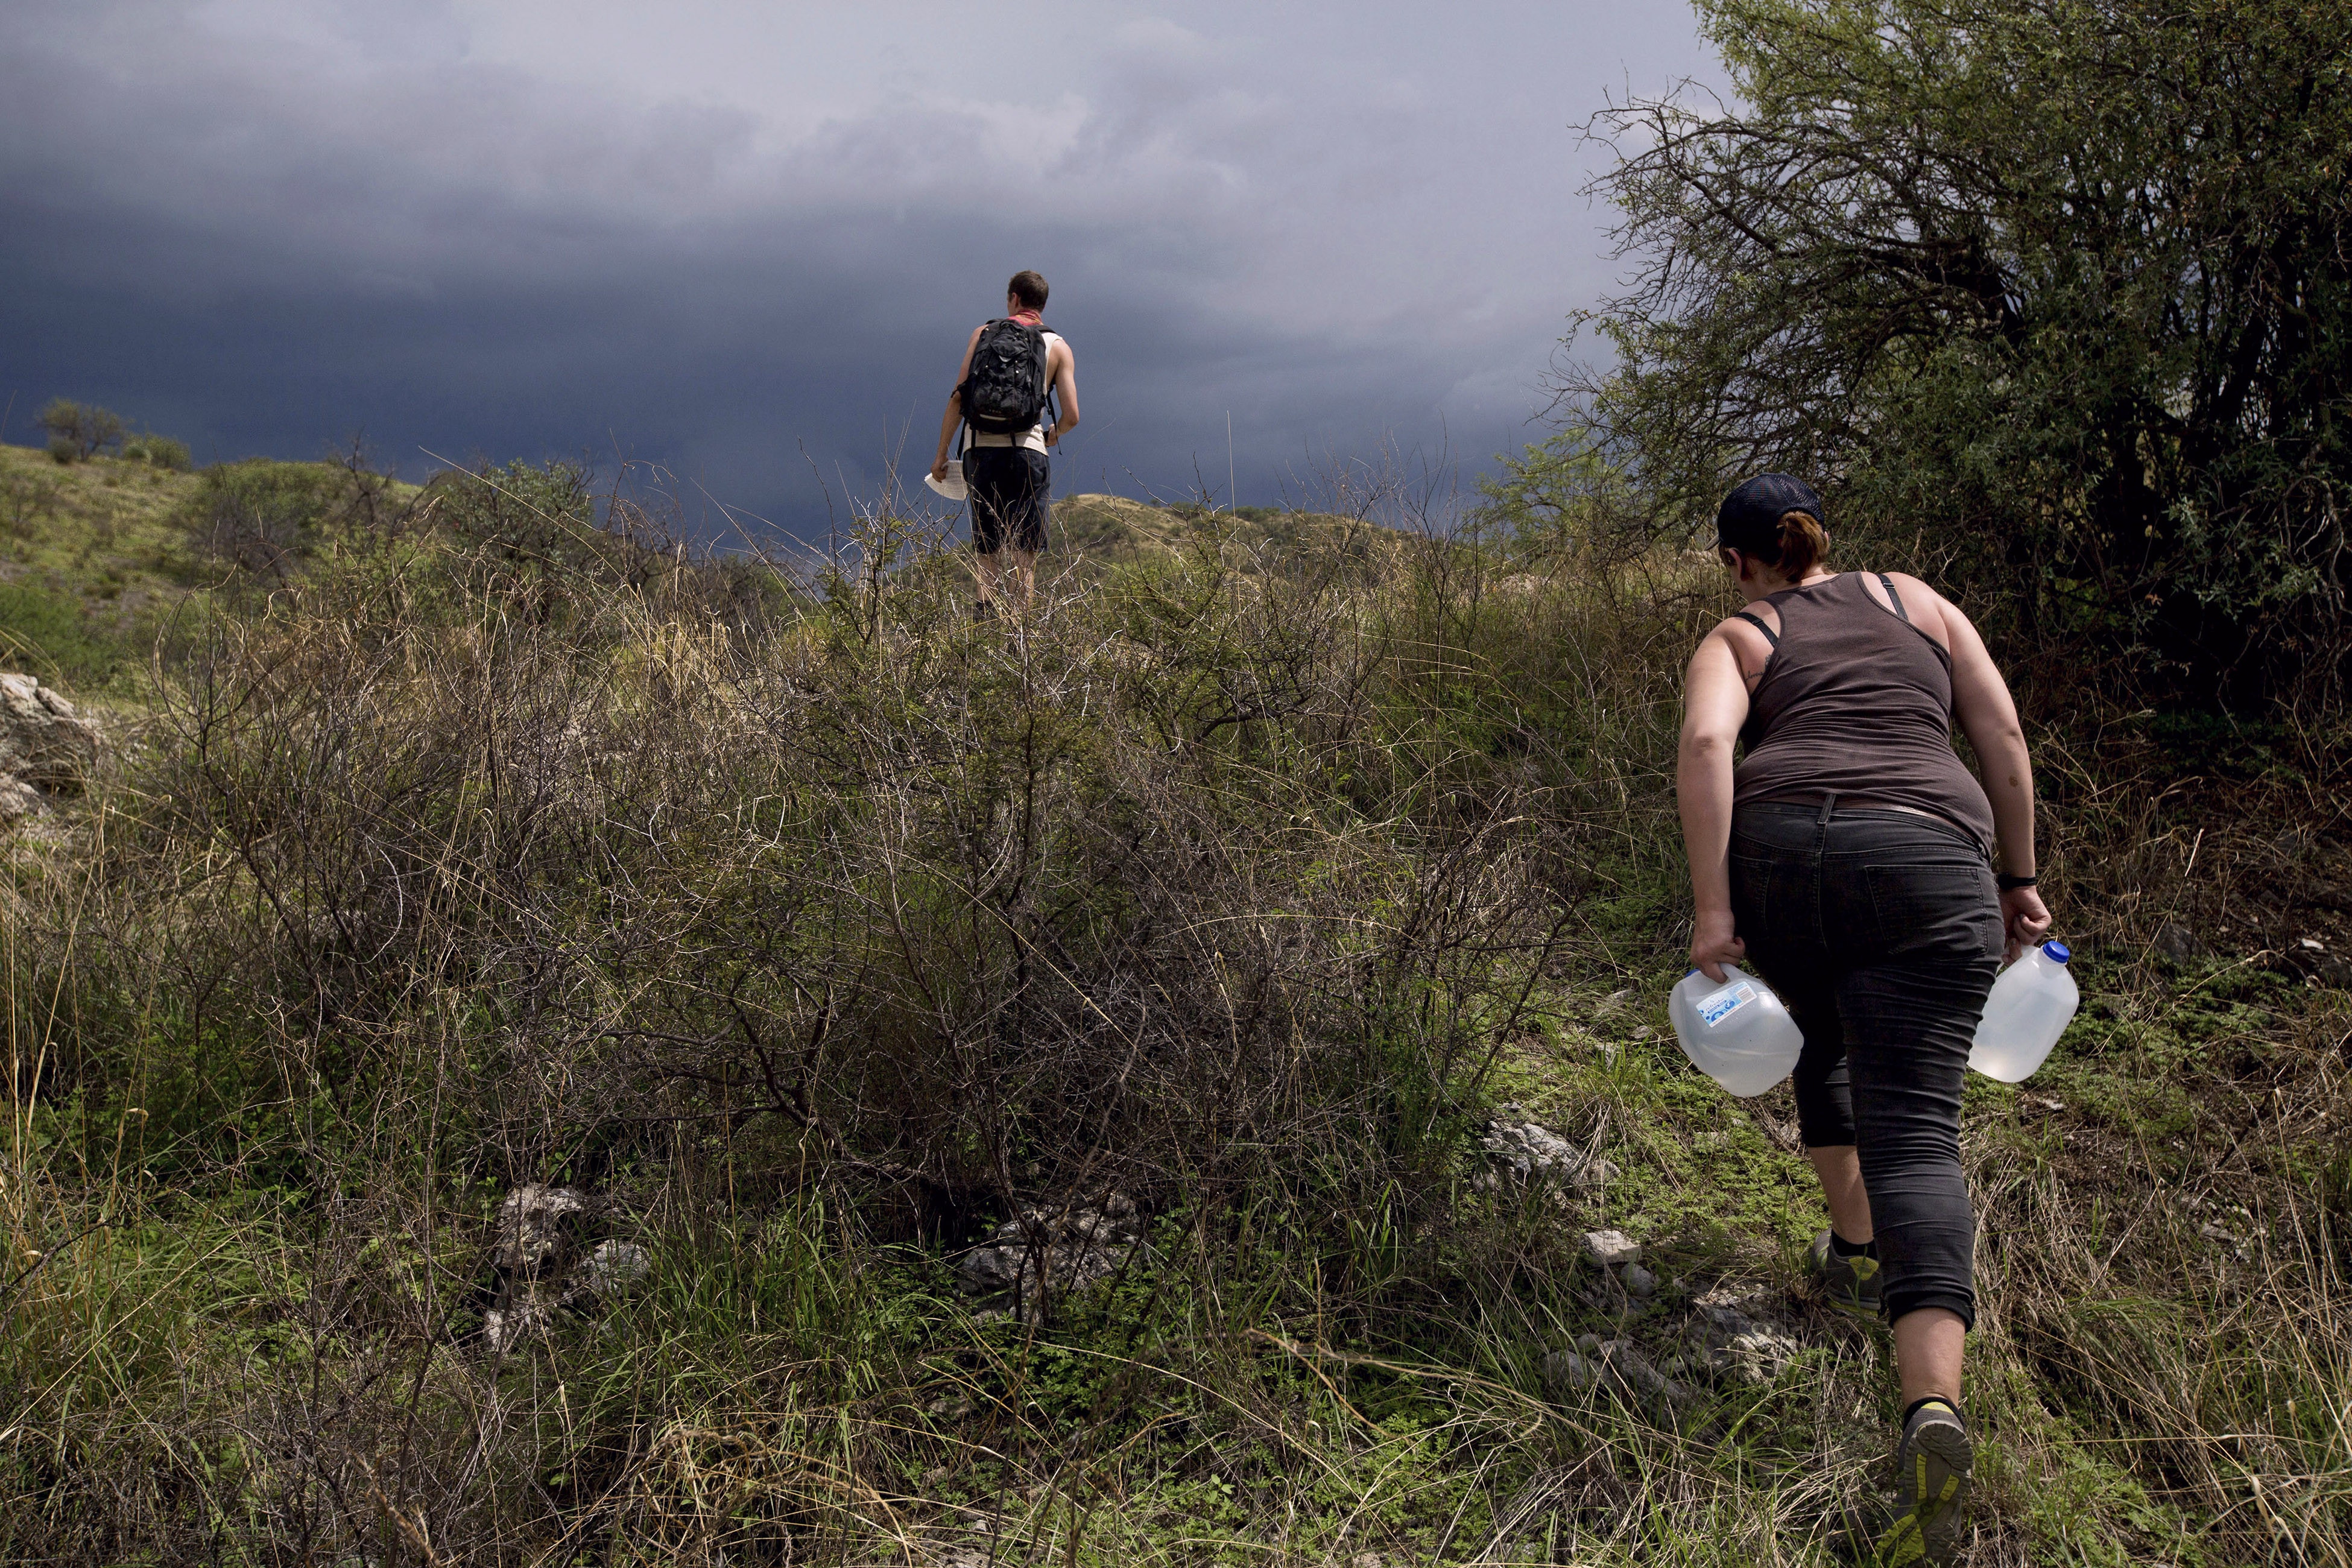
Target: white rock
<point x="1735" y="1346"/>
<point x="1608" y="1247"/>
<point x="613" y="1267"/>
<point x="504" y="1327"/>
<point x="1755" y="1358"/>
<point x="1533" y="1155"/>
<point x="1615" y="1364"/>
<point x="19" y="799"/>
<point x="1051" y="1250"/>
<point x="1565" y="1370"/>
<point x="42" y="741"/>
<point x="533" y="1228"/>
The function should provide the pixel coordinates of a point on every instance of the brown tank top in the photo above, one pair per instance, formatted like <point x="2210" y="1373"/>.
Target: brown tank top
<point x="1856" y="701"/>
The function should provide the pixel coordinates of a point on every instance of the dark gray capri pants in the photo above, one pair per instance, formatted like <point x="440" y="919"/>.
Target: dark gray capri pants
<point x="1882" y="931"/>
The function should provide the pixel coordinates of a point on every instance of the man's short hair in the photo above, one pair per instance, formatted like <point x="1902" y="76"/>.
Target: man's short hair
<point x="1029" y="288"/>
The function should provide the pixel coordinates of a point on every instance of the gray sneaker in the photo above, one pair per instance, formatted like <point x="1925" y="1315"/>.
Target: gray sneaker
<point x="1851" y="1283"/>
<point x="1931" y="1488"/>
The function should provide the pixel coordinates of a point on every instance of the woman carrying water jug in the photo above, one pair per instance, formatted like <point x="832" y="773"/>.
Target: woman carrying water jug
<point x="1875" y="883"/>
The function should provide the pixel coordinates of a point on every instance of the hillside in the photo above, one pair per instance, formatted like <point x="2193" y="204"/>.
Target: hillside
<point x="95" y="554"/>
<point x="552" y="1050"/>
<point x="91" y="556"/>
<point x="1112" y="531"/>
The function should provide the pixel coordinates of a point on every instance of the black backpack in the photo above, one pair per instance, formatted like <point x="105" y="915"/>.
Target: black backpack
<point x="1006" y="391"/>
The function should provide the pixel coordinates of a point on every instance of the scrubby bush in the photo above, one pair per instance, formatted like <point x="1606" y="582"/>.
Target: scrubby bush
<point x="841" y="892"/>
<point x="265" y="516"/>
<point x="160" y="452"/>
<point x="63" y="449"/>
<point x="89" y="428"/>
<point x="25" y="500"/>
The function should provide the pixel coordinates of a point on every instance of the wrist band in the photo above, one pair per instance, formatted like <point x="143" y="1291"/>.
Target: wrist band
<point x="2008" y="884"/>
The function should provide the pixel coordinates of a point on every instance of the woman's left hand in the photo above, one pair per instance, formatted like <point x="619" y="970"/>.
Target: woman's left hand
<point x="2024" y="919"/>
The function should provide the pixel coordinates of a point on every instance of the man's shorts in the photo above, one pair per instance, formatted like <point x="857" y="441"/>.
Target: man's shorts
<point x="1010" y="487"/>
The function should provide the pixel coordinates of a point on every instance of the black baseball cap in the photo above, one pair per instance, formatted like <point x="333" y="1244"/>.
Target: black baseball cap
<point x="1749" y="518"/>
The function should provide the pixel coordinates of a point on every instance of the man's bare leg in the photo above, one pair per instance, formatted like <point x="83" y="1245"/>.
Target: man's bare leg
<point x="1022" y="571"/>
<point x="987" y="577"/>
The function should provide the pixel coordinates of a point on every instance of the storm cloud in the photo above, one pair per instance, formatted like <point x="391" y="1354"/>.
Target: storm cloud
<point x="747" y="240"/>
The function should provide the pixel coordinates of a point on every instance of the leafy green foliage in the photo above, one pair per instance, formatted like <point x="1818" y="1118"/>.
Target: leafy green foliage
<point x="1564" y="502"/>
<point x="26" y="500"/>
<point x="2054" y="298"/>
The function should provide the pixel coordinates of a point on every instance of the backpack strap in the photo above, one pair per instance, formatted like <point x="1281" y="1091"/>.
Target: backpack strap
<point x="1893" y="598"/>
<point x="1049" y="415"/>
<point x="1769" y="635"/>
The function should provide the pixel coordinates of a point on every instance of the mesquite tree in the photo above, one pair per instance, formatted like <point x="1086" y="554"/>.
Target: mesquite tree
<point x="2051" y="295"/>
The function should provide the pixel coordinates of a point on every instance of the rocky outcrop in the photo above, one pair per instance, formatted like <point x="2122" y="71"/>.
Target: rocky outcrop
<point x="46" y="748"/>
<point x="536" y="1230"/>
<point x="1727" y="1338"/>
<point x="1047" y="1252"/>
<point x="541" y="1264"/>
<point x="18" y="799"/>
<point x="1521" y="1151"/>
<point x="1733" y="1345"/>
<point x="1616" y="1365"/>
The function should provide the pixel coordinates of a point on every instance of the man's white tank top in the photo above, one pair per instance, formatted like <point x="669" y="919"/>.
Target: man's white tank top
<point x="1032" y="440"/>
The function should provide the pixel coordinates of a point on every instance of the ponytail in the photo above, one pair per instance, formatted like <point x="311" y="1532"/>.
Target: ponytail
<point x="1803" y="543"/>
<point x="1775" y="520"/>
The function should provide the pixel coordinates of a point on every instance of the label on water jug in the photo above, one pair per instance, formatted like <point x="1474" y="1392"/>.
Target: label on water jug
<point x="1715" y="1009"/>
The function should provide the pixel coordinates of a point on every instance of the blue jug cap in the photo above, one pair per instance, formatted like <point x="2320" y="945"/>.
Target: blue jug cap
<point x="2057" y="951"/>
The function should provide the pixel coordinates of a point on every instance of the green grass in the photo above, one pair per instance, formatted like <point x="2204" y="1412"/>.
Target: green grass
<point x="810" y="926"/>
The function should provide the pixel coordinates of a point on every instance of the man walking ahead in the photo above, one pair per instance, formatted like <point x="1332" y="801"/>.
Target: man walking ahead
<point x="1010" y="367"/>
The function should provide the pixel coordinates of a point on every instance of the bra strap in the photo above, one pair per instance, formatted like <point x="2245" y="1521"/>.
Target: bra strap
<point x="1769" y="635"/>
<point x="1893" y="597"/>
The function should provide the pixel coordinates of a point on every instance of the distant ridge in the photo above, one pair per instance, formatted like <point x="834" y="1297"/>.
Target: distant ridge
<point x="1111" y="531"/>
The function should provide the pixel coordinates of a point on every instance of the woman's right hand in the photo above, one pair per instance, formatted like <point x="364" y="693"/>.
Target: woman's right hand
<point x="1714" y="942"/>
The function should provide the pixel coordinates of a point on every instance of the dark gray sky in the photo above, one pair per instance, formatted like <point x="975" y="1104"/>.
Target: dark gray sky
<point x="712" y="233"/>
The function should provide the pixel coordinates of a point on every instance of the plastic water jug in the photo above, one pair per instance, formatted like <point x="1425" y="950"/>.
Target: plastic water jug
<point x="2026" y="1013"/>
<point x="1734" y="1030"/>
